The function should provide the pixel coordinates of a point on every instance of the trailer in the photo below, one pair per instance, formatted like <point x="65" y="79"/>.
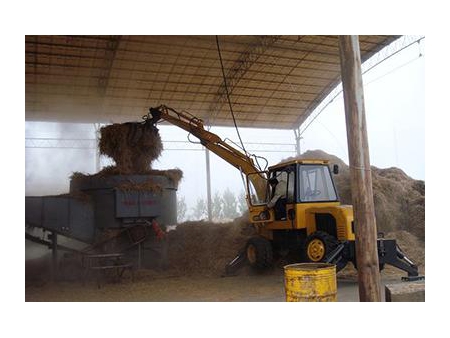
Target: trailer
<point x="122" y="215"/>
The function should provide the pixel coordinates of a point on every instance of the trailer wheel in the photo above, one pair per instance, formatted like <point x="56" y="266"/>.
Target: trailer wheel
<point x="259" y="252"/>
<point x="319" y="244"/>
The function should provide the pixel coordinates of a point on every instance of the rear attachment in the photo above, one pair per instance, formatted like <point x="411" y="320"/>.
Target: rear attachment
<point x="388" y="253"/>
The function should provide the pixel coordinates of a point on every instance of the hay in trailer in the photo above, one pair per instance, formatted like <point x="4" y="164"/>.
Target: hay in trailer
<point x="174" y="175"/>
<point x="147" y="185"/>
<point x="133" y="146"/>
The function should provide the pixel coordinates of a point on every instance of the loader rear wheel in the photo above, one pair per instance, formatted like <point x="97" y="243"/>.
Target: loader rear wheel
<point x="259" y="252"/>
<point x="318" y="245"/>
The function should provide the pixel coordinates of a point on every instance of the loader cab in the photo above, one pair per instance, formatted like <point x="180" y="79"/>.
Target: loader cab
<point x="304" y="181"/>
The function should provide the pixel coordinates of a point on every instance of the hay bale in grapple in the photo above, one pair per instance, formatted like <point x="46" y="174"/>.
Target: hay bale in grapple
<point x="133" y="146"/>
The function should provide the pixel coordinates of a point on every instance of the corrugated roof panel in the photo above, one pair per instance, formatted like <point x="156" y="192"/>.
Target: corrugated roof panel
<point x="274" y="81"/>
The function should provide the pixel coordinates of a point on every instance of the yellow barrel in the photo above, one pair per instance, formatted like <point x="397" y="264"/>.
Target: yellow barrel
<point x="310" y="282"/>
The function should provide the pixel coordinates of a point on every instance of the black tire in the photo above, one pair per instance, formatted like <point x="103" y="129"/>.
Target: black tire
<point x="259" y="252"/>
<point x="318" y="245"/>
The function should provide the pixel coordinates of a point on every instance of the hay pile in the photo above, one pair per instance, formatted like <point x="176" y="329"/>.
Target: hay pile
<point x="205" y="248"/>
<point x="133" y="146"/>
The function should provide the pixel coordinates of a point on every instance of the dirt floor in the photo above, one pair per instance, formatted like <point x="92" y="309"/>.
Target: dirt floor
<point x="151" y="286"/>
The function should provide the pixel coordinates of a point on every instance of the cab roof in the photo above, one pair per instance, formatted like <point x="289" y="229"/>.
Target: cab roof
<point x="299" y="161"/>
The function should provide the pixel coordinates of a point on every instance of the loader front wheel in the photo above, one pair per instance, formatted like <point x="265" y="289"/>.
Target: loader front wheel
<point x="319" y="244"/>
<point x="259" y="252"/>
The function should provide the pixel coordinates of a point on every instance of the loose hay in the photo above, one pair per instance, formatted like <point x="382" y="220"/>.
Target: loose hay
<point x="204" y="247"/>
<point x="174" y="175"/>
<point x="148" y="185"/>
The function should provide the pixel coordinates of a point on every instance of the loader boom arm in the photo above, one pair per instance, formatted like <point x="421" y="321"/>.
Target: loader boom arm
<point x="211" y="141"/>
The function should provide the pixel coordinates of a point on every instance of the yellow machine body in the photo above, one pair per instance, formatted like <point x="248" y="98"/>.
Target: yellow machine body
<point x="305" y="219"/>
<point x="303" y="215"/>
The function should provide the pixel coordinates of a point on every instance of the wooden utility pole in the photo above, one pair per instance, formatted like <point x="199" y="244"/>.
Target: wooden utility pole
<point x="360" y="173"/>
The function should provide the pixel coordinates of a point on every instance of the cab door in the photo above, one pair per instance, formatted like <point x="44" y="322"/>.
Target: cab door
<point x="286" y="204"/>
<point x="257" y="203"/>
<point x="290" y="195"/>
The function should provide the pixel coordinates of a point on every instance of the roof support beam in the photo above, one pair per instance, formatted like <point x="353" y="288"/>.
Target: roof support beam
<point x="298" y="137"/>
<point x="105" y="71"/>
<point x="237" y="72"/>
<point x="360" y="172"/>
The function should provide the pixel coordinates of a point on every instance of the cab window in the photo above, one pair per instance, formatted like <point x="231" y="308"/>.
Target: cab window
<point x="287" y="175"/>
<point x="291" y="187"/>
<point x="254" y="198"/>
<point x="315" y="184"/>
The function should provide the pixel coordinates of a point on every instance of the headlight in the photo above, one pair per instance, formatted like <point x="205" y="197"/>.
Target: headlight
<point x="262" y="216"/>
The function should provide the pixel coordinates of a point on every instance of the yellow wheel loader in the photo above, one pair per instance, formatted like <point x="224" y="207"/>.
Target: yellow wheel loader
<point x="307" y="220"/>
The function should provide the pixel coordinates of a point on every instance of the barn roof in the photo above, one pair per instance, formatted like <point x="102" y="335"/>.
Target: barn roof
<point x="273" y="81"/>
